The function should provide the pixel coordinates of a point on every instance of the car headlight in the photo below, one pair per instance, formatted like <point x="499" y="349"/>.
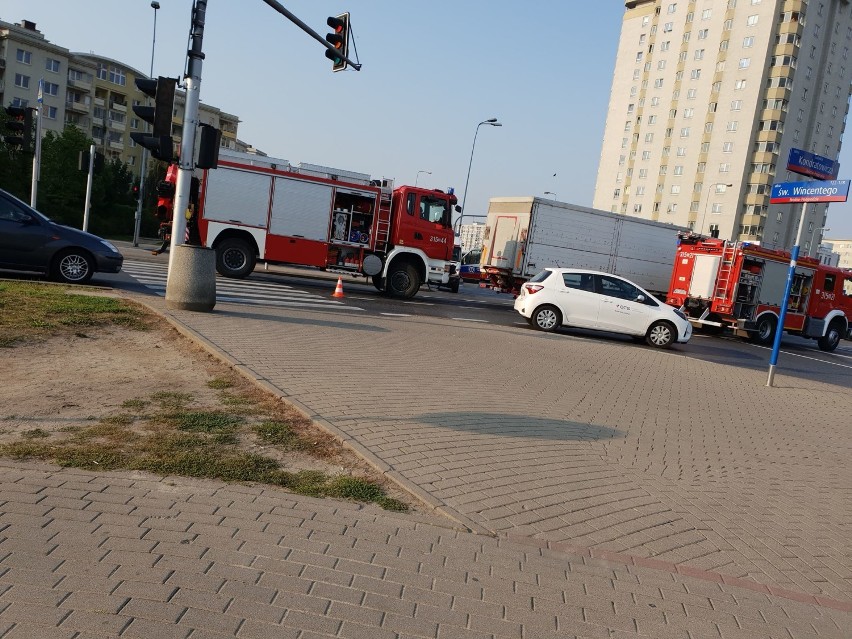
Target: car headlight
<point x="110" y="246"/>
<point x="681" y="314"/>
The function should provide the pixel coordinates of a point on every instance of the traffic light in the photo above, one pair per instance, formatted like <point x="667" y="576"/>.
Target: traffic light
<point x="208" y="149"/>
<point x="83" y="162"/>
<point x="134" y="190"/>
<point x="339" y="40"/>
<point x="19" y="127"/>
<point x="166" y="194"/>
<point x="159" y="141"/>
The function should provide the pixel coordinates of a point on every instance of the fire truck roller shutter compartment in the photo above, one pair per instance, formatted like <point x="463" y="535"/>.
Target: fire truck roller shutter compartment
<point x="703" y="283"/>
<point x="237" y="196"/>
<point x="294" y="209"/>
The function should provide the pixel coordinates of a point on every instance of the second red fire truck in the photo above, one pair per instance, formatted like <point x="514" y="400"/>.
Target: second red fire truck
<point x="721" y="284"/>
<point x="259" y="208"/>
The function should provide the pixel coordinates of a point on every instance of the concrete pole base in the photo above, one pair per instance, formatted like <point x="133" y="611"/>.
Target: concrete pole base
<point x="192" y="279"/>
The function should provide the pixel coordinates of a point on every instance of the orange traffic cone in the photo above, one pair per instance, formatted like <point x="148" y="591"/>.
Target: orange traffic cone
<point x="338" y="292"/>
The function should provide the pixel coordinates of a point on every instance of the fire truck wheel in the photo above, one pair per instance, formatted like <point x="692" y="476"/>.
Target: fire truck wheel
<point x="454" y="286"/>
<point x="831" y="339"/>
<point x="547" y="318"/>
<point x="403" y="281"/>
<point x="661" y="335"/>
<point x="764" y="332"/>
<point x="235" y="258"/>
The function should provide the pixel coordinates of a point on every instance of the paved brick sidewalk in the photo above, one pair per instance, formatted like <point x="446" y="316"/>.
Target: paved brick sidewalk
<point x="86" y="556"/>
<point x="598" y="444"/>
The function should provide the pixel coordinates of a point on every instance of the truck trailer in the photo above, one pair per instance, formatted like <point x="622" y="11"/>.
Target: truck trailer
<point x="523" y="235"/>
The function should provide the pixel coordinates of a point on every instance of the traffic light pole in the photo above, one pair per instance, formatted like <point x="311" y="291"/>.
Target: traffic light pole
<point x="36" y="157"/>
<point x="191" y="283"/>
<point x="186" y="164"/>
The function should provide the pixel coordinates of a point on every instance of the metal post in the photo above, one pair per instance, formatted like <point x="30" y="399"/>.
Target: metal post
<point x="89" y="187"/>
<point x="36" y="155"/>
<point x="144" y="163"/>
<point x="791" y="273"/>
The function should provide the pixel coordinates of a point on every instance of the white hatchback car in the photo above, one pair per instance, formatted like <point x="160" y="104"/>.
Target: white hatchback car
<point x="600" y="301"/>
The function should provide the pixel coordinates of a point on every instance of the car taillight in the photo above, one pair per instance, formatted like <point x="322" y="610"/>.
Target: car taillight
<point x="533" y="288"/>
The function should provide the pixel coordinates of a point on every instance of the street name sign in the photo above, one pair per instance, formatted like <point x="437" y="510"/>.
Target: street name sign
<point x="815" y="166"/>
<point x="829" y="191"/>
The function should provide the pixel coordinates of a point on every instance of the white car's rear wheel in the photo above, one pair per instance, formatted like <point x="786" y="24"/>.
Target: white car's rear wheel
<point x="547" y="318"/>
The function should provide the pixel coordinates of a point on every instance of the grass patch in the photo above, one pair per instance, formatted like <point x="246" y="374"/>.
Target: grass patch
<point x="35" y="433"/>
<point x="33" y="312"/>
<point x="219" y="383"/>
<point x="135" y="404"/>
<point x="280" y="434"/>
<point x="171" y="400"/>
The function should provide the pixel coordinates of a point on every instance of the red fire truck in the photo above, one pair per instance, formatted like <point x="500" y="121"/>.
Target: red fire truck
<point x="721" y="284"/>
<point x="259" y="208"/>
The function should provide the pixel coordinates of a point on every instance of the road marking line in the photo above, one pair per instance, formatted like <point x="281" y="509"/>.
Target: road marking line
<point x="813" y="359"/>
<point x="465" y="319"/>
<point x="396" y="314"/>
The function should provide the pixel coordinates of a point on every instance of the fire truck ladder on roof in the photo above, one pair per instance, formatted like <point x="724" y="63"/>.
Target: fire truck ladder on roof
<point x="723" y="291"/>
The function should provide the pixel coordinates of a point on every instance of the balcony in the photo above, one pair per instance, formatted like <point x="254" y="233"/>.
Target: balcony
<point x="96" y="121"/>
<point x="77" y="107"/>
<point x="118" y="106"/>
<point x="81" y="84"/>
<point x="117" y="126"/>
<point x="100" y="102"/>
<point x="117" y="145"/>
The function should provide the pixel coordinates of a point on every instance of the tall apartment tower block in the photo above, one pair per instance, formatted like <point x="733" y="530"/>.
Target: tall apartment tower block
<point x="707" y="99"/>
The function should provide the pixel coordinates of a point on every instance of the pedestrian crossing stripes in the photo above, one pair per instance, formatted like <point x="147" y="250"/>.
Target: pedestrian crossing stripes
<point x="153" y="277"/>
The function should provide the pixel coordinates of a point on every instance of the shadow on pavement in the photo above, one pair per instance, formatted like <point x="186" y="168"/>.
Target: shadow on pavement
<point x="506" y="425"/>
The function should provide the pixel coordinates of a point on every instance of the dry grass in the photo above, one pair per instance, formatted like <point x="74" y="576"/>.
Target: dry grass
<point x="243" y="434"/>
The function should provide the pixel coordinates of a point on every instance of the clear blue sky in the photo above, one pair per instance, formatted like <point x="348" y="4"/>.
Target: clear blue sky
<point x="432" y="71"/>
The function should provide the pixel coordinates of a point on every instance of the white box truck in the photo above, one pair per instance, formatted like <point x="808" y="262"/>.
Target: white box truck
<point x="523" y="235"/>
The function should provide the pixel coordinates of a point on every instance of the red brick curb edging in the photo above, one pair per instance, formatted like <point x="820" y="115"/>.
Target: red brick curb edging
<point x="684" y="570"/>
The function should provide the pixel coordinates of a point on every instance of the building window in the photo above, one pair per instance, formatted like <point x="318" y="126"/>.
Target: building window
<point x="681" y="151"/>
<point x="748" y="42"/>
<point x="50" y="113"/>
<point x="739" y="85"/>
<point x="696" y="74"/>
<point x="724" y="167"/>
<point x="699" y="54"/>
<point x="702" y="33"/>
<point x="51" y="88"/>
<point x="668" y="26"/>
<point x="727" y="147"/>
<point x="643" y="173"/>
<point x="22" y="81"/>
<point x="723" y="45"/>
<point x="733" y="125"/>
<point x="736" y="105"/>
<point x="751" y="21"/>
<point x="649" y="137"/>
<point x="684" y="132"/>
<point x="744" y="63"/>
<point x="678" y="170"/>
<point x="675" y="189"/>
<point x="687" y="113"/>
<point x="23" y="56"/>
<point x="52" y="65"/>
<point x="706" y="14"/>
<point x="672" y="7"/>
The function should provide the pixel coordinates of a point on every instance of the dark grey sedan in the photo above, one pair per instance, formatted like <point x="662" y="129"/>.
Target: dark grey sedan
<point x="31" y="242"/>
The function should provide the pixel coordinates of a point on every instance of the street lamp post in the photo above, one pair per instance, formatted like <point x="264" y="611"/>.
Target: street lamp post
<point x="138" y="219"/>
<point x="418" y="176"/>
<point x="490" y="122"/>
<point x="707" y="201"/>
